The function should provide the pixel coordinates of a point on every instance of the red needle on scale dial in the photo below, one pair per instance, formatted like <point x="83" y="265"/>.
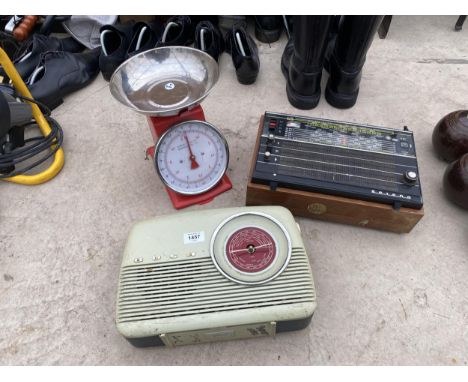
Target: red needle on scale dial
<point x="192" y="158"/>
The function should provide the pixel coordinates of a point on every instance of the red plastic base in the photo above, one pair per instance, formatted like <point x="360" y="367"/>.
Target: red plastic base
<point x="182" y="201"/>
<point x="158" y="125"/>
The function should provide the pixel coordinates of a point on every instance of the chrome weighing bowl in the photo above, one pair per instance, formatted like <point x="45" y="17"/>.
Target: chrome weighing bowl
<point x="164" y="81"/>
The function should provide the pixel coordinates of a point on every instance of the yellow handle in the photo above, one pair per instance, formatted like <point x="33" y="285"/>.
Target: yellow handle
<point x="59" y="157"/>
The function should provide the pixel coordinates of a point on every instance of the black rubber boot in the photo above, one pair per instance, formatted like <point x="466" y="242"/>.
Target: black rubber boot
<point x="268" y="28"/>
<point x="354" y="39"/>
<point x="289" y="48"/>
<point x="286" y="57"/>
<point x="244" y="53"/>
<point x="306" y="63"/>
<point x="333" y="32"/>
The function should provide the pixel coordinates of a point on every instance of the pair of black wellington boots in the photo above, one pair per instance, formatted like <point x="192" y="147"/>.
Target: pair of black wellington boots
<point x="339" y="44"/>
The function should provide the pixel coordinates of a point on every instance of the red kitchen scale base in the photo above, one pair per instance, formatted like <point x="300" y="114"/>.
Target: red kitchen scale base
<point x="158" y="125"/>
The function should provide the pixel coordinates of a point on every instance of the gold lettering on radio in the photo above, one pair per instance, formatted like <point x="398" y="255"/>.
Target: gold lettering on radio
<point x="343" y="128"/>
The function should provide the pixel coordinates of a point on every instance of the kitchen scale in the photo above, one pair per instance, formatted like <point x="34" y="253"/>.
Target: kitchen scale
<point x="167" y="85"/>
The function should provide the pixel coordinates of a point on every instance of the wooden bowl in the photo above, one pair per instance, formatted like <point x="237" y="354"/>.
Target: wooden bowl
<point x="450" y="136"/>
<point x="456" y="181"/>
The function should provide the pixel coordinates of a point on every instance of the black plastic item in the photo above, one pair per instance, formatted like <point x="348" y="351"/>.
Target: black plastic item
<point x="208" y="39"/>
<point x="178" y="31"/>
<point x="5" y="120"/>
<point x="28" y="60"/>
<point x="354" y="39"/>
<point x="145" y="37"/>
<point x="6" y="167"/>
<point x="459" y="23"/>
<point x="12" y="113"/>
<point x="268" y="28"/>
<point x="244" y="54"/>
<point x="17" y="136"/>
<point x="115" y="42"/>
<point x="36" y="150"/>
<point x="306" y="63"/>
<point x="17" y="154"/>
<point x="62" y="74"/>
<point x="384" y="26"/>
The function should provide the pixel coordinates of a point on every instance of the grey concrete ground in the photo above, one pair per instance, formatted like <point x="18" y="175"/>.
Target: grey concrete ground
<point x="383" y="298"/>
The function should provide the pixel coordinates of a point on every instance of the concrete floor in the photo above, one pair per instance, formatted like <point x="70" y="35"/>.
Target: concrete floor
<point x="383" y="298"/>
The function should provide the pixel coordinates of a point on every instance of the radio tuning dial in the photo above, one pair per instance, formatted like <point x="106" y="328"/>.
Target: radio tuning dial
<point x="250" y="248"/>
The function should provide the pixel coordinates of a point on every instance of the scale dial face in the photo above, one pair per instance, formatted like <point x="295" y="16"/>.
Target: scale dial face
<point x="191" y="157"/>
<point x="251" y="248"/>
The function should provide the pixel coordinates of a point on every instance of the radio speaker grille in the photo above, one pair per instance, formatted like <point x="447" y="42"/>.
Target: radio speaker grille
<point x="189" y="287"/>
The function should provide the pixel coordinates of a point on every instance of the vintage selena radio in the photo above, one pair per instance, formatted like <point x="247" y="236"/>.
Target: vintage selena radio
<point x="214" y="275"/>
<point x="339" y="171"/>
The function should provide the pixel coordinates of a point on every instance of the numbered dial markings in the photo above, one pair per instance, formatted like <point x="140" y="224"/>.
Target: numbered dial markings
<point x="251" y="249"/>
<point x="191" y="157"/>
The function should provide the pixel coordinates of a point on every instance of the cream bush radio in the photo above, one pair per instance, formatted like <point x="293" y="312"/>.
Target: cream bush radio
<point x="214" y="275"/>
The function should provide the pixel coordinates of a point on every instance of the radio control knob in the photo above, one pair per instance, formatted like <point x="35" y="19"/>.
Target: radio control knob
<point x="267" y="155"/>
<point x="411" y="177"/>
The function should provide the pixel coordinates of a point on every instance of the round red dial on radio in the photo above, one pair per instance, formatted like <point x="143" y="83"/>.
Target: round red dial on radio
<point x="251" y="249"/>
